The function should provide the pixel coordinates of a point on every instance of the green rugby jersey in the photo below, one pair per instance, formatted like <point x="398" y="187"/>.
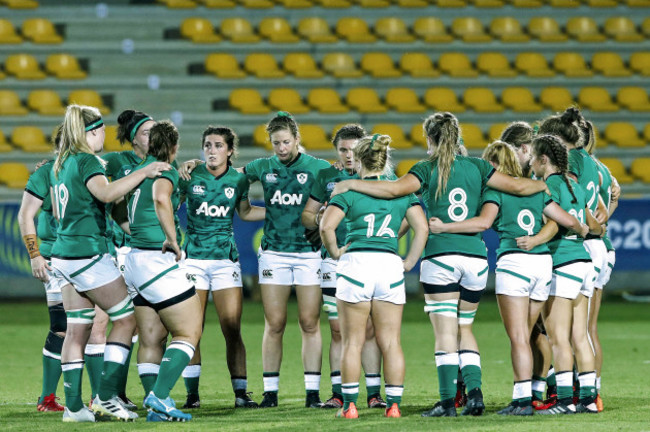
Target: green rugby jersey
<point x="286" y="190"/>
<point x="605" y="194"/>
<point x="517" y="217"/>
<point x="114" y="163"/>
<point x="585" y="169"/>
<point x="373" y="223"/>
<point x="82" y="217"/>
<point x="461" y="200"/>
<point x="321" y="191"/>
<point x="567" y="247"/>
<point x="211" y="204"/>
<point x="38" y="185"/>
<point x="146" y="232"/>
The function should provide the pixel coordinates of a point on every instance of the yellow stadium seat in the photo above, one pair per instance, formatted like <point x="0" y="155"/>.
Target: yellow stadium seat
<point x="412" y="3"/>
<point x="495" y="131"/>
<point x="646" y="132"/>
<point x="640" y="169"/>
<point x="30" y="139"/>
<point x="443" y="99"/>
<point x="340" y="65"/>
<point x="64" y="66"/>
<point x="508" y="29"/>
<point x="45" y="102"/>
<point x="481" y="99"/>
<point x="527" y="3"/>
<point x="14" y="174"/>
<point x="277" y="30"/>
<point x="602" y="3"/>
<point x="556" y="98"/>
<point x="450" y="3"/>
<point x="617" y="169"/>
<point x="609" y="64"/>
<point x="457" y="65"/>
<point x="257" y="4"/>
<point x="224" y="66"/>
<point x="596" y="99"/>
<point x="488" y="3"/>
<point x="379" y="65"/>
<point x="334" y="4"/>
<point x="354" y="30"/>
<point x="393" y="30"/>
<point x="469" y="29"/>
<point x="301" y="65"/>
<point x="90" y="98"/>
<point x="431" y="29"/>
<point x="24" y="66"/>
<point x="4" y="145"/>
<point x="199" y="30"/>
<point x="248" y="101"/>
<point x="571" y="64"/>
<point x="472" y="136"/>
<point x="20" y="4"/>
<point x="622" y="29"/>
<point x="418" y="65"/>
<point x="405" y="165"/>
<point x="637" y="3"/>
<point x="316" y="30"/>
<point x="495" y="65"/>
<point x="261" y="137"/>
<point x="287" y="99"/>
<point x="326" y="101"/>
<point x="520" y="99"/>
<point x="546" y="29"/>
<point x="178" y="4"/>
<point x="417" y="135"/>
<point x="584" y="29"/>
<point x="40" y="30"/>
<point x="404" y="100"/>
<point x="111" y="143"/>
<point x="640" y="62"/>
<point x="10" y="104"/>
<point x="396" y="134"/>
<point x="564" y="3"/>
<point x="238" y="30"/>
<point x="8" y="33"/>
<point x="373" y="3"/>
<point x="633" y="98"/>
<point x="313" y="137"/>
<point x="365" y="100"/>
<point x="623" y="134"/>
<point x="218" y="4"/>
<point x="295" y="4"/>
<point x="262" y="66"/>
<point x="534" y="65"/>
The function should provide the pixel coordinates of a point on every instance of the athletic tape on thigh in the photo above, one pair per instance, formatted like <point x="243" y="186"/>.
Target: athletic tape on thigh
<point x="466" y="317"/>
<point x="121" y="310"/>
<point x="80" y="316"/>
<point x="58" y="322"/>
<point x="470" y="296"/>
<point x="447" y="308"/>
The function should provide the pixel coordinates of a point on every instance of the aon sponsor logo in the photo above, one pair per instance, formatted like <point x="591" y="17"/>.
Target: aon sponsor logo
<point x="212" y="210"/>
<point x="286" y="199"/>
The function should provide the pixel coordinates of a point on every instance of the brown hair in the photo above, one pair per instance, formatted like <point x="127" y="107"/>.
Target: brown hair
<point x="349" y="131"/>
<point x="128" y="123"/>
<point x="565" y="125"/>
<point x="551" y="147"/>
<point x="444" y="131"/>
<point x="283" y="121"/>
<point x="73" y="132"/>
<point x="229" y="135"/>
<point x="373" y="152"/>
<point x="163" y="137"/>
<point x="503" y="155"/>
<point x="517" y="134"/>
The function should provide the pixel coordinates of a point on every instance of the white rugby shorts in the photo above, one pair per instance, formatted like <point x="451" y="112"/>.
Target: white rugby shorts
<point x="214" y="275"/>
<point x="88" y="273"/>
<point x="286" y="268"/>
<point x="366" y="276"/>
<point x="524" y="275"/>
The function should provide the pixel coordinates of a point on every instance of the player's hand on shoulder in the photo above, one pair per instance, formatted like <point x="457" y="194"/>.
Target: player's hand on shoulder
<point x="185" y="170"/>
<point x="156" y="168"/>
<point x="340" y="187"/>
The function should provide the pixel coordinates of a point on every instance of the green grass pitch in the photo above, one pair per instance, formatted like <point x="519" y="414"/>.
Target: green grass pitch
<point x="625" y="335"/>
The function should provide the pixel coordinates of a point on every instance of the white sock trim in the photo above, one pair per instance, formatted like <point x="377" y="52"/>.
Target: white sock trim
<point x="94" y="349"/>
<point x="192" y="371"/>
<point x="446" y="359"/>
<point x="148" y="368"/>
<point x="116" y="353"/>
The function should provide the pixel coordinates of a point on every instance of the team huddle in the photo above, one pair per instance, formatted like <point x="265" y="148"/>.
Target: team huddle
<point x="110" y="250"/>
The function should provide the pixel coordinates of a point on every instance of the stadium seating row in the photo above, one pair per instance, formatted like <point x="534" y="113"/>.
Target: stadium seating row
<point x="60" y="66"/>
<point x="422" y="65"/>
<point x="19" y="4"/>
<point x="428" y="29"/>
<point x="366" y="100"/>
<point x="48" y="102"/>
<point x="36" y="30"/>
<point x="338" y="4"/>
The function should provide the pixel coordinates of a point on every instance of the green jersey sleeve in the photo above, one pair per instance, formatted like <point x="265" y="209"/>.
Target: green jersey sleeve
<point x="341" y="202"/>
<point x="485" y="169"/>
<point x="319" y="188"/>
<point x="253" y="170"/>
<point x="172" y="176"/>
<point x="422" y="171"/>
<point x="90" y="166"/>
<point x="39" y="182"/>
<point x="575" y="163"/>
<point x="491" y="196"/>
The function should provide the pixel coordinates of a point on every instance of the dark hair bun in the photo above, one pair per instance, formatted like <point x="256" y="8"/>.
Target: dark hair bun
<point x="125" y="116"/>
<point x="571" y="115"/>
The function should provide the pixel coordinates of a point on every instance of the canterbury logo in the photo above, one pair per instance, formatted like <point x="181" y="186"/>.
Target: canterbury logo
<point x="266" y="273"/>
<point x="327" y="276"/>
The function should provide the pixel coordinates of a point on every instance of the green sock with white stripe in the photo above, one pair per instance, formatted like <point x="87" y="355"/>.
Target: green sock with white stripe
<point x="373" y="384"/>
<point x="350" y="394"/>
<point x="177" y="356"/>
<point x="51" y="364"/>
<point x="191" y="377"/>
<point x="587" y="384"/>
<point x="394" y="395"/>
<point x="114" y="360"/>
<point x="72" y="373"/>
<point x="538" y="387"/>
<point x="94" y="359"/>
<point x="335" y="376"/>
<point x="470" y="368"/>
<point x="564" y="384"/>
<point x="447" y="366"/>
<point x="148" y="373"/>
<point x="521" y="393"/>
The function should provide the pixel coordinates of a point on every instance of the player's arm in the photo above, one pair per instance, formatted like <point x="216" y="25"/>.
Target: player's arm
<point x="162" y="201"/>
<point x="250" y="213"/>
<point x="517" y="186"/>
<point x="327" y="228"/>
<point x="418" y="221"/>
<point x="28" y="210"/>
<point x="479" y="223"/>
<point x="106" y="191"/>
<point x="616" y="193"/>
<point x="558" y="214"/>
<point x="403" y="186"/>
<point x="186" y="168"/>
<point x="601" y="214"/>
<point x="594" y="226"/>
<point x="544" y="235"/>
<point x="312" y="214"/>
